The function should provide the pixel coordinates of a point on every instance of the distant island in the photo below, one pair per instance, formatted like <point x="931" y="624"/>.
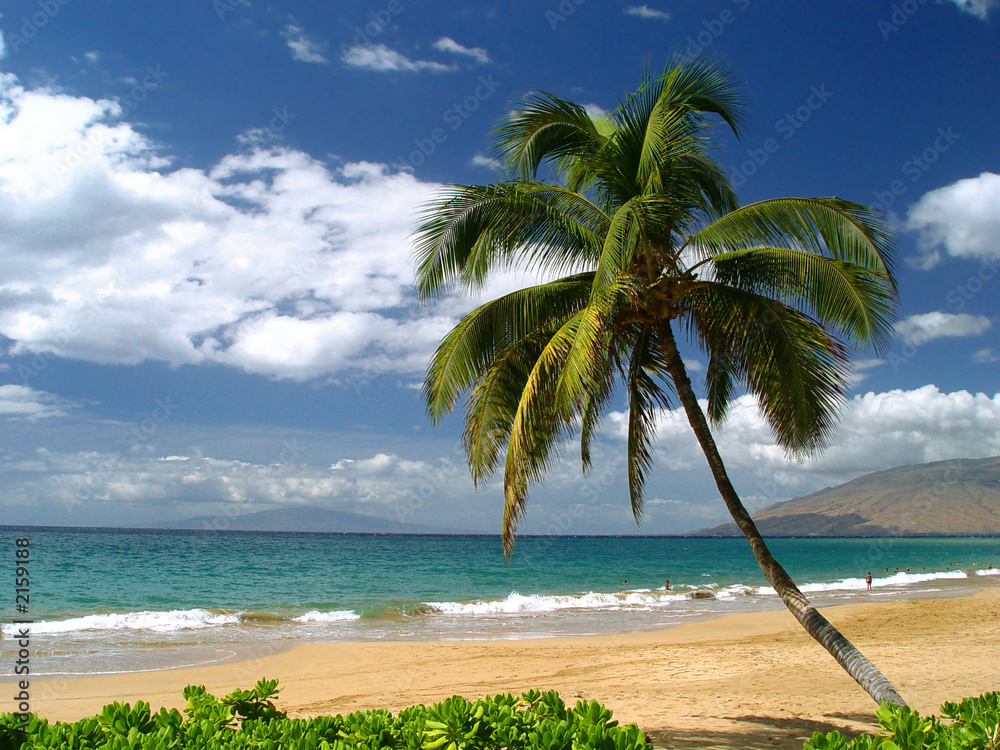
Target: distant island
<point x="306" y="518"/>
<point x="958" y="497"/>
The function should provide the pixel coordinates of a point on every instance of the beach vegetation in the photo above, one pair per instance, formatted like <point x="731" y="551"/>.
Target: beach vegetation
<point x="972" y="723"/>
<point x="249" y="720"/>
<point x="644" y="240"/>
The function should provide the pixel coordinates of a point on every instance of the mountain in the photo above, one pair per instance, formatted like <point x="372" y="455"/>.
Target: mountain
<point x="957" y="497"/>
<point x="309" y="519"/>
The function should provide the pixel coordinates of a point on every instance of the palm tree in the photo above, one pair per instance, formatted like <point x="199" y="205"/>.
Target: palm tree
<point x="647" y="238"/>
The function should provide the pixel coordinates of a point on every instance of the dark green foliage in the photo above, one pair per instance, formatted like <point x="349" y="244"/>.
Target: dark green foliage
<point x="249" y="720"/>
<point x="973" y="724"/>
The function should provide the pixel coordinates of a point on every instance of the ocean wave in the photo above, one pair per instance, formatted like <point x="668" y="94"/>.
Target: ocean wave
<point x="517" y="603"/>
<point x="859" y="584"/>
<point x="317" y="616"/>
<point x="988" y="572"/>
<point x="157" y="622"/>
<point x="174" y="621"/>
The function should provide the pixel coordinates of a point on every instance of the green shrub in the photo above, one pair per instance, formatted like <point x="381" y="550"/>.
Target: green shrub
<point x="973" y="724"/>
<point x="249" y="720"/>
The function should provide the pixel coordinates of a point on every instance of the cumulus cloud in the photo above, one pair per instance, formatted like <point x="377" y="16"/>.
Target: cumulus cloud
<point x="446" y="44"/>
<point x="381" y="59"/>
<point x="644" y="11"/>
<point x="978" y="8"/>
<point x="485" y="161"/>
<point x="918" y="329"/>
<point x="303" y="48"/>
<point x="876" y="431"/>
<point x="19" y="401"/>
<point x="961" y="219"/>
<point x="270" y="262"/>
<point x="181" y="486"/>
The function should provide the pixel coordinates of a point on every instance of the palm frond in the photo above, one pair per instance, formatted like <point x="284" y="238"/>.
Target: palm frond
<point x="798" y="371"/>
<point x="545" y="127"/>
<point x="485" y="333"/>
<point x="645" y="400"/>
<point x="825" y="226"/>
<point x="467" y="232"/>
<point x="840" y="295"/>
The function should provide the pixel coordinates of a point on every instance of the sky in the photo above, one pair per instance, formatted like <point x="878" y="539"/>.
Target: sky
<point x="206" y="301"/>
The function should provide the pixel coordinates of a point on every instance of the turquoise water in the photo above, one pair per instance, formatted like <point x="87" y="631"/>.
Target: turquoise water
<point x="117" y="600"/>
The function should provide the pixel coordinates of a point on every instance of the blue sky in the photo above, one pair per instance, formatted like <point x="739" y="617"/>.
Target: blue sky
<point x="206" y="303"/>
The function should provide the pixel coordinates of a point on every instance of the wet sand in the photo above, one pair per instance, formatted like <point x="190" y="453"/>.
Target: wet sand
<point x="746" y="680"/>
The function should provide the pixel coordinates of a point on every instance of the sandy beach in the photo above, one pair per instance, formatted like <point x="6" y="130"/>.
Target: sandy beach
<point x="749" y="680"/>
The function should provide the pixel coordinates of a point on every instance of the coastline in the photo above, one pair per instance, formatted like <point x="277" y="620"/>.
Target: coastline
<point x="709" y="683"/>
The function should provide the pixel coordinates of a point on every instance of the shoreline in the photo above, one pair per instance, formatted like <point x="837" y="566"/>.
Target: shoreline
<point x="706" y="683"/>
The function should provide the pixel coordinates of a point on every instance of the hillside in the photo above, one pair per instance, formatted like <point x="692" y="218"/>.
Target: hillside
<point x="309" y="519"/>
<point x="955" y="497"/>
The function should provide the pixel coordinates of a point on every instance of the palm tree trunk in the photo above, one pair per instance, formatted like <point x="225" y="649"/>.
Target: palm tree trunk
<point x="853" y="661"/>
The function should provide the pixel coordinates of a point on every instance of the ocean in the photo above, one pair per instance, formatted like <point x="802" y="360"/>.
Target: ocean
<point x="107" y="600"/>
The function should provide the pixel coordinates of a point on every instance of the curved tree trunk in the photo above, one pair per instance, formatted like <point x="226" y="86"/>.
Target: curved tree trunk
<point x="853" y="661"/>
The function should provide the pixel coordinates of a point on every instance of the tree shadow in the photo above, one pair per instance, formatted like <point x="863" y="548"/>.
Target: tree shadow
<point x="757" y="733"/>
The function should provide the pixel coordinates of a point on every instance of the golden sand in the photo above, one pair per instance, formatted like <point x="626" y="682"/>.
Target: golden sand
<point x="747" y="680"/>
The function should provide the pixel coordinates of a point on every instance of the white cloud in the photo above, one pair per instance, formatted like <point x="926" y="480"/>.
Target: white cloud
<point x="446" y="44"/>
<point x="918" y="329"/>
<point x="20" y="401"/>
<point x="303" y="48"/>
<point x="183" y="486"/>
<point x="979" y="8"/>
<point x="381" y="59"/>
<point x="596" y="111"/>
<point x="3" y="47"/>
<point x="694" y="365"/>
<point x="270" y="262"/>
<point x="876" y="431"/>
<point x="867" y="364"/>
<point x="644" y="11"/>
<point x="485" y="161"/>
<point x="985" y="355"/>
<point x="962" y="219"/>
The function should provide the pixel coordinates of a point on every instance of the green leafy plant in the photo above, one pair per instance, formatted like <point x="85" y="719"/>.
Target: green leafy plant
<point x="256" y="704"/>
<point x="972" y="724"/>
<point x="249" y="720"/>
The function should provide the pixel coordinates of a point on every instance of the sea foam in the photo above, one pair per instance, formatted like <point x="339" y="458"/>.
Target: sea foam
<point x="314" y="615"/>
<point x="859" y="584"/>
<point x="157" y="622"/>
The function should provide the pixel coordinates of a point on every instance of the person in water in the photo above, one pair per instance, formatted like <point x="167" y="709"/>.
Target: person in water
<point x="666" y="586"/>
<point x="868" y="580"/>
